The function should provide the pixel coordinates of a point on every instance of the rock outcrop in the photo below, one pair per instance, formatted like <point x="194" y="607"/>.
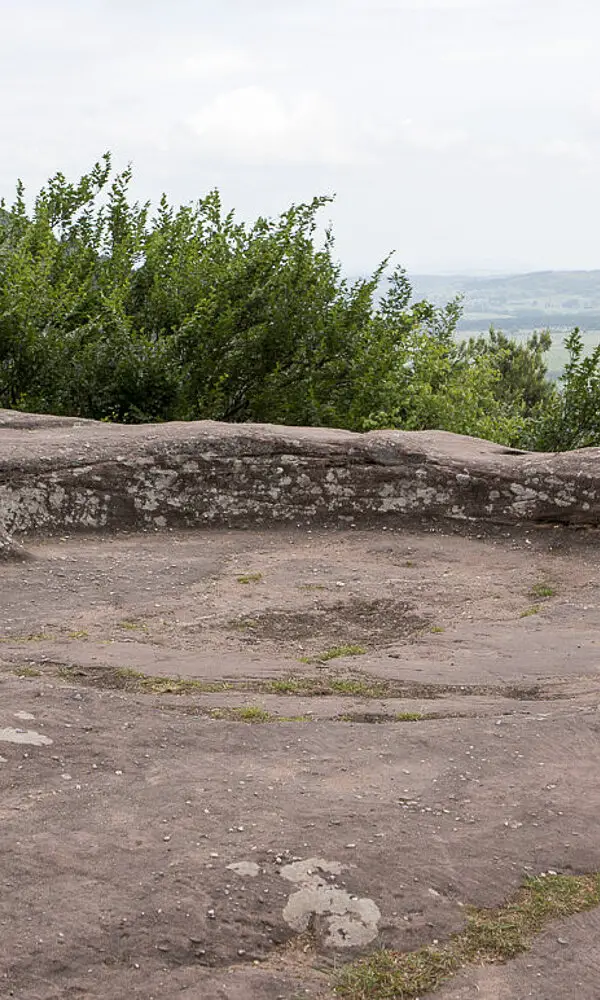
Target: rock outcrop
<point x="62" y="474"/>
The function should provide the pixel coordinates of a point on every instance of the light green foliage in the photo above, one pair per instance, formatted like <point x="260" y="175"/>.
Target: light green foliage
<point x="111" y="312"/>
<point x="573" y="418"/>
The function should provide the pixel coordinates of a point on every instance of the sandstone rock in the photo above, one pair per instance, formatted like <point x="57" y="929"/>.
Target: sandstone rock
<point x="59" y="473"/>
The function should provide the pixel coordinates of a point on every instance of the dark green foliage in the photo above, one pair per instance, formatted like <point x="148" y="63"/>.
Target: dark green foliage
<point x="110" y="313"/>
<point x="522" y="367"/>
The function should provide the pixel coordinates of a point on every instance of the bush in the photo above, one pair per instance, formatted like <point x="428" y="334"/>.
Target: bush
<point x="111" y="313"/>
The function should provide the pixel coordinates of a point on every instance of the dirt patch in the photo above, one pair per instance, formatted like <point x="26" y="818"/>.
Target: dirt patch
<point x="350" y="622"/>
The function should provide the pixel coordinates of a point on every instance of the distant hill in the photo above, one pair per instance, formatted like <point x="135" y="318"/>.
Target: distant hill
<point x="518" y="304"/>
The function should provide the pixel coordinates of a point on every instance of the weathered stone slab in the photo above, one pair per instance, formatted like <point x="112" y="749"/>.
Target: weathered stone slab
<point x="60" y="474"/>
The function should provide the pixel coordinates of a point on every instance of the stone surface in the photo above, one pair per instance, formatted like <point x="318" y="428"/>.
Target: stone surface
<point x="62" y="474"/>
<point x="154" y="842"/>
<point x="155" y="845"/>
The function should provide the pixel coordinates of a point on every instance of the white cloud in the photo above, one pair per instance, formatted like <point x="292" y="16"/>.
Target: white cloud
<point x="431" y="138"/>
<point x="255" y="125"/>
<point x="372" y="6"/>
<point x="214" y="63"/>
<point x="576" y="151"/>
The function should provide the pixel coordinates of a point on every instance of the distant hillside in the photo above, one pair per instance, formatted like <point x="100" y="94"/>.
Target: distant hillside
<point x="520" y="303"/>
<point x="555" y="299"/>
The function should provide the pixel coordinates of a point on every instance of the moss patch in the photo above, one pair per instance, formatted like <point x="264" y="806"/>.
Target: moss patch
<point x="489" y="936"/>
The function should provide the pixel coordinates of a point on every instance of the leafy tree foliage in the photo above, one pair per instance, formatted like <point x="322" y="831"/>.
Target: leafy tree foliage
<point x="111" y="312"/>
<point x="572" y="420"/>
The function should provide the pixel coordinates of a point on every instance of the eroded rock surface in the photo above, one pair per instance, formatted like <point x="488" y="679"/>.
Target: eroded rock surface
<point x="231" y="761"/>
<point x="62" y="474"/>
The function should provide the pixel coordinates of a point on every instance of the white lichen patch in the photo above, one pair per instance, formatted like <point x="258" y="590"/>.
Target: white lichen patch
<point x="311" y="871"/>
<point x="248" y="869"/>
<point x="28" y="736"/>
<point x="348" y="921"/>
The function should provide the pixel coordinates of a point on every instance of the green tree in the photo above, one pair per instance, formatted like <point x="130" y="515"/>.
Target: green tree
<point x="108" y="311"/>
<point x="522" y="368"/>
<point x="572" y="420"/>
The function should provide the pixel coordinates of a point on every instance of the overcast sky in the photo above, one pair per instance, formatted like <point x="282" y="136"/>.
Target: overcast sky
<point x="463" y="134"/>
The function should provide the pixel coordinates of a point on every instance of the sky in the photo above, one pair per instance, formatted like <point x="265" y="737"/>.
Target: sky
<point x="463" y="135"/>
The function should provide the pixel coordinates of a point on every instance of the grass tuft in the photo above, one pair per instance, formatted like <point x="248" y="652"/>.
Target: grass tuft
<point x="542" y="590"/>
<point x="489" y="936"/>
<point x="528" y="612"/>
<point x="333" y="654"/>
<point x="36" y="637"/>
<point x="250" y="578"/>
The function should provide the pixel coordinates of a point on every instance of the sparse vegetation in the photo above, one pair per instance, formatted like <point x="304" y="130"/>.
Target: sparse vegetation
<point x="489" y="936"/>
<point x="542" y="590"/>
<point x="35" y="637"/>
<point x="333" y="654"/>
<point x="112" y="311"/>
<point x="528" y="612"/>
<point x="250" y="578"/>
<point x="124" y="678"/>
<point x="244" y="713"/>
